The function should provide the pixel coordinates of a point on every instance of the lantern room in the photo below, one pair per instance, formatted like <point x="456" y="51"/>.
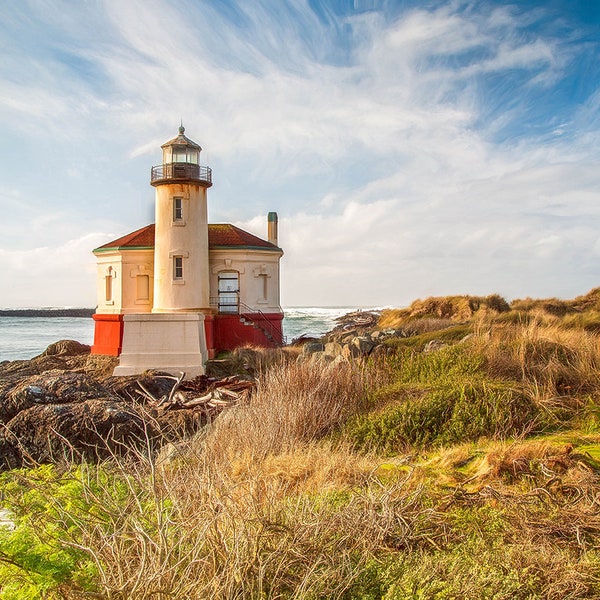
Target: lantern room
<point x="181" y="162"/>
<point x="181" y="150"/>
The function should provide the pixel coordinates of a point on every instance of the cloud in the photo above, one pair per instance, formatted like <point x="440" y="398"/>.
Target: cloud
<point x="407" y="151"/>
<point x="62" y="275"/>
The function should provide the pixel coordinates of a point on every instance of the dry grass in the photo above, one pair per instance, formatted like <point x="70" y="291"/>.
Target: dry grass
<point x="440" y="310"/>
<point x="268" y="503"/>
<point x="296" y="403"/>
<point x="550" y="360"/>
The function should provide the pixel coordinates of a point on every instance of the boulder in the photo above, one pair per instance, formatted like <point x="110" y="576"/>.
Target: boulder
<point x="312" y="347"/>
<point x="433" y="345"/>
<point x="333" y="348"/>
<point x="93" y="430"/>
<point x="66" y="348"/>
<point x="51" y="387"/>
<point x="350" y="351"/>
<point x="364" y="344"/>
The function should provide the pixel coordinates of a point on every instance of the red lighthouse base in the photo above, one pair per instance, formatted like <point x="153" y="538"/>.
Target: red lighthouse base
<point x="223" y="332"/>
<point x="108" y="334"/>
<point x="254" y="329"/>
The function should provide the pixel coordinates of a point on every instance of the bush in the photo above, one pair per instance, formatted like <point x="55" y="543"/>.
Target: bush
<point x="445" y="415"/>
<point x="448" y="364"/>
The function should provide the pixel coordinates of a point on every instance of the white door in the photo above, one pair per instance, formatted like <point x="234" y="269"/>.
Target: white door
<point x="229" y="291"/>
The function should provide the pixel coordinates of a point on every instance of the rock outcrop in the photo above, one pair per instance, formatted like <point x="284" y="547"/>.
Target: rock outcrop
<point x="64" y="404"/>
<point x="355" y="336"/>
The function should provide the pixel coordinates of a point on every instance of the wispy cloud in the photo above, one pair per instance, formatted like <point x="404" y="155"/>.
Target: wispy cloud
<point x="422" y="150"/>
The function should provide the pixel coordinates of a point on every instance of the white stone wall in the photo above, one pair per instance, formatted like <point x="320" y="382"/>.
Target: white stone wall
<point x="258" y="273"/>
<point x="131" y="274"/>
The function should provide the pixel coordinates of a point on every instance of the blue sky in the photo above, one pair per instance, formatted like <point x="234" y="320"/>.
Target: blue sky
<point x="410" y="148"/>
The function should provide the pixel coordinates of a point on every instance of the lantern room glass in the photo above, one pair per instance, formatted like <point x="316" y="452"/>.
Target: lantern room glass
<point x="181" y="154"/>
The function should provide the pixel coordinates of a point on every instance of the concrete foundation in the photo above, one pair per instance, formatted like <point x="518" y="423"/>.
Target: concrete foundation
<point x="170" y="342"/>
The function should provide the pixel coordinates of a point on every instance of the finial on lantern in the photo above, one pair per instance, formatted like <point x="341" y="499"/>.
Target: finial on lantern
<point x="181" y="127"/>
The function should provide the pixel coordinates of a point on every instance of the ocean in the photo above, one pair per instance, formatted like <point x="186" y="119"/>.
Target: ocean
<point x="23" y="337"/>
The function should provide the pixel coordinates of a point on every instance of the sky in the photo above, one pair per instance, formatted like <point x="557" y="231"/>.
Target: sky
<point x="411" y="148"/>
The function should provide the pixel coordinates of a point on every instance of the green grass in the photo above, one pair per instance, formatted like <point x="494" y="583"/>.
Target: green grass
<point x="443" y="416"/>
<point x="467" y="471"/>
<point x="450" y="335"/>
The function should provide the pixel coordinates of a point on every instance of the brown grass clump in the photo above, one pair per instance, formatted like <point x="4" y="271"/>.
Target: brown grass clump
<point x="442" y="311"/>
<point x="551" y="306"/>
<point x="513" y="461"/>
<point x="295" y="403"/>
<point x="554" y="363"/>
<point x="587" y="302"/>
<point x="250" y="361"/>
<point x="319" y="468"/>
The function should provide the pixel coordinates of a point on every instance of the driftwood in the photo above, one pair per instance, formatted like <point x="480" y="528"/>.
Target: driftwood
<point x="219" y="393"/>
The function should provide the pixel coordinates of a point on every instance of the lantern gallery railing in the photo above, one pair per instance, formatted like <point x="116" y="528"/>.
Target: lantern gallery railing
<point x="181" y="172"/>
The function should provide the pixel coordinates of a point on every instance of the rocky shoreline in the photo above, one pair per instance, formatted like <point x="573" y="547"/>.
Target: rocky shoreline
<point x="356" y="335"/>
<point x="65" y="405"/>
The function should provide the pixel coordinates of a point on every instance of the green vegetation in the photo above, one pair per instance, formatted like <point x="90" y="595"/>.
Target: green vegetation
<point x="464" y="464"/>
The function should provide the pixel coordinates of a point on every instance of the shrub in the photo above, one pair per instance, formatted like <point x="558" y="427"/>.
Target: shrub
<point x="446" y="415"/>
<point x="449" y="363"/>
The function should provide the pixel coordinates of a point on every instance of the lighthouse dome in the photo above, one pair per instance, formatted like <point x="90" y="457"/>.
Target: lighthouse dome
<point x="181" y="141"/>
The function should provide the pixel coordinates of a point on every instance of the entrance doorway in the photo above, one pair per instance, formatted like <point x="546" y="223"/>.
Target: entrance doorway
<point x="229" y="291"/>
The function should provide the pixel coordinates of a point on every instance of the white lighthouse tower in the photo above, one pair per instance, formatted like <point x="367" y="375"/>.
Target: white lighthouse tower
<point x="181" y="277"/>
<point x="173" y="336"/>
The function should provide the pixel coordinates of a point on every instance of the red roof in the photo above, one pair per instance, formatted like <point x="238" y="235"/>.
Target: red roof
<point x="222" y="235"/>
<point x="225" y="234"/>
<point x="140" y="238"/>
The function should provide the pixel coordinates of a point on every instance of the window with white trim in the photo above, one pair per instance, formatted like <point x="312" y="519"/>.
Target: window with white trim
<point x="177" y="209"/>
<point x="177" y="268"/>
<point x="229" y="291"/>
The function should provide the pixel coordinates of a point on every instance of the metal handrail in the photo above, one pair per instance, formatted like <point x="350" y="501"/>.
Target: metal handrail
<point x="181" y="171"/>
<point x="249" y="314"/>
<point x="275" y="333"/>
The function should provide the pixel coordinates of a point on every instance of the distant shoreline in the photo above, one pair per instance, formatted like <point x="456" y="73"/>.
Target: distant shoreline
<point x="47" y="312"/>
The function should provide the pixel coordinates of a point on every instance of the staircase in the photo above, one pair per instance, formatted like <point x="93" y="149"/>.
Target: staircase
<point x="251" y="317"/>
<point x="257" y="319"/>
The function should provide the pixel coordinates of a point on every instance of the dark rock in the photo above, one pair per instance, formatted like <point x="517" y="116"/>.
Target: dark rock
<point x="100" y="366"/>
<point x="93" y="430"/>
<point x="67" y="348"/>
<point x="364" y="344"/>
<point x="63" y="404"/>
<point x="312" y="347"/>
<point x="52" y="387"/>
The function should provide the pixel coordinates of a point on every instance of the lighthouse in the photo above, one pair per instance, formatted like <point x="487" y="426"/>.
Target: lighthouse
<point x="181" y="278"/>
<point x="174" y="293"/>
